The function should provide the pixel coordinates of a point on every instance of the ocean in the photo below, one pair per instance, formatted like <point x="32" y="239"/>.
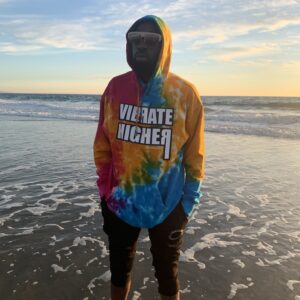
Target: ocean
<point x="242" y="241"/>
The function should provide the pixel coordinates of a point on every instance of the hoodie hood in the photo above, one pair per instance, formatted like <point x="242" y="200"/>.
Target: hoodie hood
<point x="163" y="63"/>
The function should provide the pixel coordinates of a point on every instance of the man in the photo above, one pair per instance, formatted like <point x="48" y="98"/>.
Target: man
<point x="149" y="154"/>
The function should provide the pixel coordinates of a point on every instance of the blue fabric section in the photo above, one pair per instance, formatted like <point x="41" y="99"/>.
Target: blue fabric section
<point x="191" y="195"/>
<point x="147" y="205"/>
<point x="151" y="97"/>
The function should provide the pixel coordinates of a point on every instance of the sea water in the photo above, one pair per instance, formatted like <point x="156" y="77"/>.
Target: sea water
<point x="242" y="241"/>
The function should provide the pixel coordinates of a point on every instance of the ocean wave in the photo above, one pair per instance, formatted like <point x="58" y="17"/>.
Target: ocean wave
<point x="253" y="129"/>
<point x="48" y="115"/>
<point x="262" y="116"/>
<point x="50" y="97"/>
<point x="278" y="103"/>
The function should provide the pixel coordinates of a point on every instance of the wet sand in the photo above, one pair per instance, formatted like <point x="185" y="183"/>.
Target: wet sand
<point x="242" y="242"/>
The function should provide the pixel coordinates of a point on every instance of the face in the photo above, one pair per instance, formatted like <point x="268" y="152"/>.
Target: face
<point x="144" y="54"/>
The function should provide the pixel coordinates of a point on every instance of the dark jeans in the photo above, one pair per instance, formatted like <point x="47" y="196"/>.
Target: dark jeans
<point x="166" y="239"/>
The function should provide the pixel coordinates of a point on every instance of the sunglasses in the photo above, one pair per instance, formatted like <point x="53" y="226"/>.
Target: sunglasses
<point x="149" y="38"/>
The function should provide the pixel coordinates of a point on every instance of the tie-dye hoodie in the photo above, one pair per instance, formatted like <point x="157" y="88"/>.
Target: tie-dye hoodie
<point x="149" y="146"/>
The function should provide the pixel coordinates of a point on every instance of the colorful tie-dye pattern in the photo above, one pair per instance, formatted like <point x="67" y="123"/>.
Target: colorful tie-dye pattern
<point x="149" y="148"/>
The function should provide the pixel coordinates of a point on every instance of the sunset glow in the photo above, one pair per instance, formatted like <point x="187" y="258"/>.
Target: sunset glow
<point x="224" y="47"/>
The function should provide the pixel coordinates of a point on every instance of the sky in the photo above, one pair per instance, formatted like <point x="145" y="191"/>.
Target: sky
<point x="225" y="47"/>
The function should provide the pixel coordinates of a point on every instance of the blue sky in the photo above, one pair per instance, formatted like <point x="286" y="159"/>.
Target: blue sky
<point x="225" y="47"/>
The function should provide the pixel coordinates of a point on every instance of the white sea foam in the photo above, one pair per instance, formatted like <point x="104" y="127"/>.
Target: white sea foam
<point x="187" y="290"/>
<point x="11" y="205"/>
<point x="82" y="241"/>
<point x="17" y="168"/>
<point x="249" y="253"/>
<point x="239" y="191"/>
<point x="239" y="263"/>
<point x="265" y="228"/>
<point x="192" y="229"/>
<point x="234" y="210"/>
<point x="9" y="217"/>
<point x="6" y="198"/>
<point x="188" y="256"/>
<point x="209" y="241"/>
<point x="145" y="239"/>
<point x="41" y="209"/>
<point x="136" y="295"/>
<point x="211" y="216"/>
<point x="91" y="261"/>
<point x="261" y="263"/>
<point x="50" y="187"/>
<point x="54" y="240"/>
<point x="211" y="203"/>
<point x="291" y="284"/>
<point x="91" y="212"/>
<point x="263" y="199"/>
<point x="26" y="231"/>
<point x="54" y="225"/>
<point x="281" y="259"/>
<point x="79" y="241"/>
<point x="265" y="246"/>
<point x="201" y="221"/>
<point x="105" y="277"/>
<point x="234" y="288"/>
<point x="295" y="234"/>
<point x="237" y="228"/>
<point x="58" y="268"/>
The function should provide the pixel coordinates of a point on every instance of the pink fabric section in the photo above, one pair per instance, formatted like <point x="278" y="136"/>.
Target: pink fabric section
<point x="106" y="181"/>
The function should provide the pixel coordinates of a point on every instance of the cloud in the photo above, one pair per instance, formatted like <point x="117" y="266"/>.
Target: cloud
<point x="42" y="34"/>
<point x="218" y="33"/>
<point x="61" y="36"/>
<point x="15" y="48"/>
<point x="214" y="33"/>
<point x="257" y="62"/>
<point x="292" y="65"/>
<point x="132" y="10"/>
<point x="255" y="5"/>
<point x="102" y="25"/>
<point x="279" y="24"/>
<point x="181" y="9"/>
<point x="229" y="54"/>
<point x="282" y="3"/>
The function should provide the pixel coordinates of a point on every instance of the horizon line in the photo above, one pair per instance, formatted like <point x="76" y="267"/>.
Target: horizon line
<point x="90" y="94"/>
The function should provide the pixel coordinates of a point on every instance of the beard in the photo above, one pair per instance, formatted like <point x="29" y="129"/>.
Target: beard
<point x="144" y="69"/>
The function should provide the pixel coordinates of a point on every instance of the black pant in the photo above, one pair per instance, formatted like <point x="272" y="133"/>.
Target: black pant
<point x="166" y="239"/>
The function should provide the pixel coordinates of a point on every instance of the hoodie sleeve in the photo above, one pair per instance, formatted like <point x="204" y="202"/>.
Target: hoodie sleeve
<point x="102" y="149"/>
<point x="194" y="153"/>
